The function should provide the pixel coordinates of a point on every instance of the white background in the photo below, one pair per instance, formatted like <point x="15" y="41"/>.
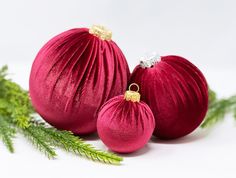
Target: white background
<point x="203" y="31"/>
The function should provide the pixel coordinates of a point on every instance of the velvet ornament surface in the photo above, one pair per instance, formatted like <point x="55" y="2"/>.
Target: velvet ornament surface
<point x="176" y="92"/>
<point x="125" y="126"/>
<point x="73" y="75"/>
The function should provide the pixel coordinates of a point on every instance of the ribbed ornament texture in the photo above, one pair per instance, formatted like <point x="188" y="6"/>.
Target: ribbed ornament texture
<point x="125" y="126"/>
<point x="177" y="93"/>
<point x="73" y="75"/>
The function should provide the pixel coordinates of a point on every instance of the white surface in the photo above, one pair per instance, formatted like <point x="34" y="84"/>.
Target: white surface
<point x="201" y="30"/>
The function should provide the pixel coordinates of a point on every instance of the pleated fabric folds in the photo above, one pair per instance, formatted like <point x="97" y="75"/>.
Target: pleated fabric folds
<point x="177" y="94"/>
<point x="73" y="75"/>
<point x="125" y="126"/>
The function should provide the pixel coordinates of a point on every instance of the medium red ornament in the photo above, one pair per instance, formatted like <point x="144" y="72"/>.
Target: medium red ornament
<point x="124" y="123"/>
<point x="176" y="92"/>
<point x="74" y="74"/>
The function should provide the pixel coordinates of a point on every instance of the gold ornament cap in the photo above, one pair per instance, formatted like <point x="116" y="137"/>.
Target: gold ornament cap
<point x="101" y="32"/>
<point x="133" y="96"/>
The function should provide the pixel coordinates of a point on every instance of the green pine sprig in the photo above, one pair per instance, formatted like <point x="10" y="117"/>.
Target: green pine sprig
<point x="38" y="139"/>
<point x="70" y="143"/>
<point x="7" y="133"/>
<point x="218" y="108"/>
<point x="18" y="115"/>
<point x="14" y="101"/>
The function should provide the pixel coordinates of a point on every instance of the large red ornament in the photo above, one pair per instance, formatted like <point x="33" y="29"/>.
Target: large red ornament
<point x="124" y="123"/>
<point x="176" y="92"/>
<point x="74" y="74"/>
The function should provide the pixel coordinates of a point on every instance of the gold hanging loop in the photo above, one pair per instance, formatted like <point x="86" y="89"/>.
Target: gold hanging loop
<point x="131" y="95"/>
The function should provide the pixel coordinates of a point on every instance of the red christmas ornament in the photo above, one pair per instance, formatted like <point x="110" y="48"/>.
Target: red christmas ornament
<point x="124" y="123"/>
<point x="176" y="91"/>
<point x="74" y="74"/>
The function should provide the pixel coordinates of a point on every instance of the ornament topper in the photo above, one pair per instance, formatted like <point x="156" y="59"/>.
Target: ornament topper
<point x="149" y="60"/>
<point x="101" y="32"/>
<point x="133" y="96"/>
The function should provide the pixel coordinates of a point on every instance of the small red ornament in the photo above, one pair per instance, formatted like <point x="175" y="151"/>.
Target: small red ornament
<point x="125" y="124"/>
<point x="176" y="91"/>
<point x="74" y="74"/>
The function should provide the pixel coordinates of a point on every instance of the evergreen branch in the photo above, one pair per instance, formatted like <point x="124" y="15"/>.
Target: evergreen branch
<point x="71" y="143"/>
<point x="212" y="96"/>
<point x="218" y="108"/>
<point x="3" y="71"/>
<point x="7" y="133"/>
<point x="14" y="101"/>
<point x="37" y="138"/>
